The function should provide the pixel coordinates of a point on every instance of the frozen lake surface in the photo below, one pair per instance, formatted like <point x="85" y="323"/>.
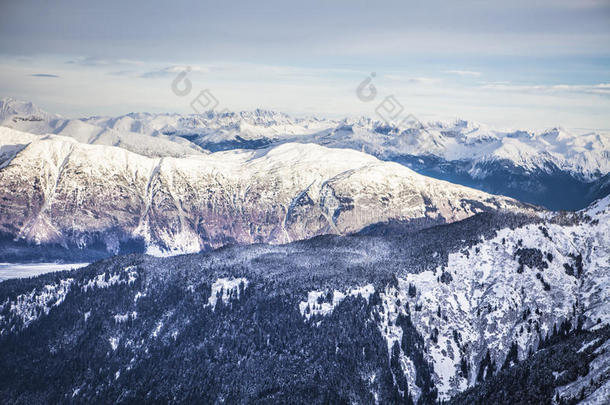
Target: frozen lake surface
<point x="19" y="270"/>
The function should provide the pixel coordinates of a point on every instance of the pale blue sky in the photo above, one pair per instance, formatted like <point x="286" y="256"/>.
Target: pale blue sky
<point x="519" y="64"/>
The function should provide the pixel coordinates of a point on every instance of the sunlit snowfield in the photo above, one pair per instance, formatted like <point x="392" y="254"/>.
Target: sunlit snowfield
<point x="15" y="270"/>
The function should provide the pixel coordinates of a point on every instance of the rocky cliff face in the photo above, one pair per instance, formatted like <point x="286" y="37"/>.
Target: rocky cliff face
<point x="58" y="191"/>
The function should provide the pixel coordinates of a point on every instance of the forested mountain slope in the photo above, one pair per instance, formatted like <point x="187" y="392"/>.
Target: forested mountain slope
<point x="421" y="316"/>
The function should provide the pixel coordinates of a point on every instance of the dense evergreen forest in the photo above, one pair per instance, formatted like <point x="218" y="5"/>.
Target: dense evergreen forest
<point x="138" y="329"/>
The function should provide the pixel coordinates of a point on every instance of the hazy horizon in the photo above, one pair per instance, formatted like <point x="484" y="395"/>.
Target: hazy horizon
<point x="520" y="65"/>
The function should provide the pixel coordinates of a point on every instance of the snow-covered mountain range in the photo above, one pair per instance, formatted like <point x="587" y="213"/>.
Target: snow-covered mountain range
<point x="57" y="191"/>
<point x="27" y="117"/>
<point x="584" y="155"/>
<point x="555" y="168"/>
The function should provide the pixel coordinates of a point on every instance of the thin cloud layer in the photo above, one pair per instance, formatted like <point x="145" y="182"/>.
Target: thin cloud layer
<point x="468" y="73"/>
<point x="43" y="75"/>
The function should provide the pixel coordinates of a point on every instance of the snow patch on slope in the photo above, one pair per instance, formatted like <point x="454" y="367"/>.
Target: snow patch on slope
<point x="226" y="289"/>
<point x="122" y="318"/>
<point x="128" y="276"/>
<point x="323" y="302"/>
<point x="27" y="308"/>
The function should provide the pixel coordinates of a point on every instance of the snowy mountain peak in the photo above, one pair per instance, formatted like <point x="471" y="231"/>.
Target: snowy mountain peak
<point x="12" y="108"/>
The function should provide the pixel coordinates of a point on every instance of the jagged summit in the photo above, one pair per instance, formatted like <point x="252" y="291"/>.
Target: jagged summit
<point x="27" y="117"/>
<point x="10" y="107"/>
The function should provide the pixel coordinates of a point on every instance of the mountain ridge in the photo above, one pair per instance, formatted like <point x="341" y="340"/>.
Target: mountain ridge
<point x="553" y="168"/>
<point x="59" y="191"/>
